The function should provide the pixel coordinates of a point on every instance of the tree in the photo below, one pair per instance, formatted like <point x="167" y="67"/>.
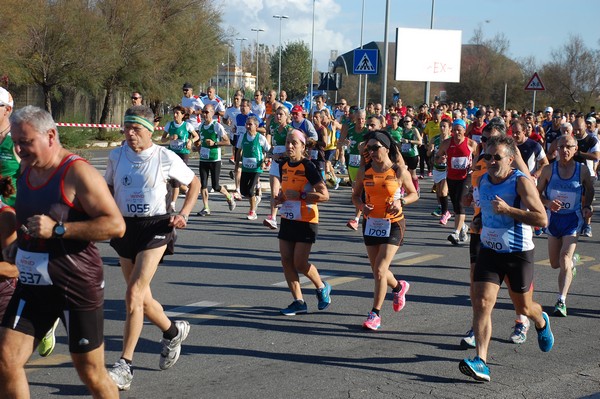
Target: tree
<point x="572" y="77"/>
<point x="53" y="45"/>
<point x="295" y="68"/>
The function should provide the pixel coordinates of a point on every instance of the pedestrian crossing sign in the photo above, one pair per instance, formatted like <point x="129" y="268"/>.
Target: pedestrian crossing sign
<point x="365" y="61"/>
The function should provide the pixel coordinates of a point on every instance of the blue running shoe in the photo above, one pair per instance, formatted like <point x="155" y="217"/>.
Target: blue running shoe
<point x="295" y="308"/>
<point x="545" y="337"/>
<point x="475" y="368"/>
<point x="323" y="296"/>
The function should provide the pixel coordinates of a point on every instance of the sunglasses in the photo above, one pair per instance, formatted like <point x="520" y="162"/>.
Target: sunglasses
<point x="206" y="112"/>
<point x="373" y="148"/>
<point x="135" y="98"/>
<point x="408" y="121"/>
<point x="497" y="157"/>
<point x="373" y="125"/>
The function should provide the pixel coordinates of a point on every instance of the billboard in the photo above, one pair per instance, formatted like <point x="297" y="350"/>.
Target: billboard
<point x="428" y="55"/>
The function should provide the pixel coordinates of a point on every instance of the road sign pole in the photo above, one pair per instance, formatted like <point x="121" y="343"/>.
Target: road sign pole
<point x="533" y="106"/>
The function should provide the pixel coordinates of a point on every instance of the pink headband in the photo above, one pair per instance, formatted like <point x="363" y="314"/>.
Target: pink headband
<point x="298" y="134"/>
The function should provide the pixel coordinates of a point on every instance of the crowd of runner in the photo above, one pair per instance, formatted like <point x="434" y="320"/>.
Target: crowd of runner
<point x="524" y="173"/>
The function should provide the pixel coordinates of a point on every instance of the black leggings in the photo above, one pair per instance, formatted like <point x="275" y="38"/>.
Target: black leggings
<point x="215" y="170"/>
<point x="456" y="190"/>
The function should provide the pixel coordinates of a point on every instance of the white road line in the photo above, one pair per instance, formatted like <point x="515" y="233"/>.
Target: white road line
<point x="303" y="280"/>
<point x="403" y="255"/>
<point x="191" y="308"/>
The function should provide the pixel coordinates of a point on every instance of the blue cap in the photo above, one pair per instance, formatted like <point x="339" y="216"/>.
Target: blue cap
<point x="459" y="122"/>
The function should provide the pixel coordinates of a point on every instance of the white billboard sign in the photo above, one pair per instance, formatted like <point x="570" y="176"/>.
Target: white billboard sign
<point x="428" y="55"/>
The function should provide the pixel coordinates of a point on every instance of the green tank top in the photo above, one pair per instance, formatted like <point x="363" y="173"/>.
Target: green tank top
<point x="208" y="153"/>
<point x="396" y="133"/>
<point x="409" y="149"/>
<point x="9" y="166"/>
<point x="252" y="154"/>
<point x="179" y="145"/>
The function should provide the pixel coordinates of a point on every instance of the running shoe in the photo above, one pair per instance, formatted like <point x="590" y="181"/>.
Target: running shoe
<point x="172" y="208"/>
<point x="400" y="296"/>
<point x="237" y="196"/>
<point x="48" y="343"/>
<point x="171" y="348"/>
<point x="475" y="368"/>
<point x="204" y="212"/>
<point x="373" y="321"/>
<point x="251" y="215"/>
<point x="545" y="336"/>
<point x="270" y="222"/>
<point x="453" y="238"/>
<point x="429" y="174"/>
<point x="121" y="374"/>
<point x="519" y="334"/>
<point x="212" y="190"/>
<point x="231" y="203"/>
<point x="586" y="230"/>
<point x="231" y="175"/>
<point x="421" y="177"/>
<point x="445" y="217"/>
<point x="352" y="224"/>
<point x="337" y="183"/>
<point x="469" y="339"/>
<point x="463" y="236"/>
<point x="538" y="231"/>
<point x="560" y="309"/>
<point x="437" y="212"/>
<point x="296" y="307"/>
<point x="323" y="296"/>
<point x="232" y="160"/>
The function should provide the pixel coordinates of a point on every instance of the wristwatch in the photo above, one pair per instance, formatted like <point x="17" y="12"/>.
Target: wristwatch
<point x="303" y="195"/>
<point x="59" y="230"/>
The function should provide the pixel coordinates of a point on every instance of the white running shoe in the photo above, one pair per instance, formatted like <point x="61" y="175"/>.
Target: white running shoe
<point x="172" y="348"/>
<point x="121" y="374"/>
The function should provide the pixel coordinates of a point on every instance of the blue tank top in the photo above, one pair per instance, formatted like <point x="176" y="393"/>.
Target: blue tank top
<point x="502" y="233"/>
<point x="568" y="191"/>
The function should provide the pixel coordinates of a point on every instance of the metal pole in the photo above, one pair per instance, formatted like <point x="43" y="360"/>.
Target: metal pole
<point x="533" y="106"/>
<point x="227" y="95"/>
<point x="217" y="79"/>
<point x="312" y="64"/>
<point x="242" y="85"/>
<point x="366" y="85"/>
<point x="279" y="80"/>
<point x="256" y="30"/>
<point x="428" y="84"/>
<point x="385" y="57"/>
<point x="362" y="24"/>
<point x="505" y="89"/>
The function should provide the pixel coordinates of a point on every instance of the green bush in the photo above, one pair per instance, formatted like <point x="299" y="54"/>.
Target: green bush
<point x="72" y="138"/>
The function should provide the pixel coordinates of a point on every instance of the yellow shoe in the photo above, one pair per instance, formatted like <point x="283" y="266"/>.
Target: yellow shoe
<point x="48" y="343"/>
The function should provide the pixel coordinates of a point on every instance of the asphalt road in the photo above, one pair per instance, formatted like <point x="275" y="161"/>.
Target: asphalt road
<point x="226" y="280"/>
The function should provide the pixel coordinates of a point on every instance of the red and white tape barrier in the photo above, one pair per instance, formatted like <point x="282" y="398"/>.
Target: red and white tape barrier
<point x="95" y="125"/>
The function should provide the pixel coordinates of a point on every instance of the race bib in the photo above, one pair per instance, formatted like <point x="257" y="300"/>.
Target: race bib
<point x="33" y="268"/>
<point x="279" y="149"/>
<point x="249" y="163"/>
<point x="291" y="210"/>
<point x="354" y="160"/>
<point x="405" y="147"/>
<point x="136" y="203"/>
<point x="476" y="138"/>
<point x="177" y="145"/>
<point x="567" y="198"/>
<point x="460" y="163"/>
<point x="377" y="227"/>
<point x="495" y="239"/>
<point x="204" y="153"/>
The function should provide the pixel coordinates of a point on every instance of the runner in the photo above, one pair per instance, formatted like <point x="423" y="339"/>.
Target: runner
<point x="64" y="207"/>
<point x="212" y="138"/>
<point x="439" y="173"/>
<point x="561" y="187"/>
<point x="192" y="104"/>
<point x="230" y="114"/>
<point x="411" y="140"/>
<point x="137" y="174"/>
<point x="302" y="187"/>
<point x="506" y="250"/>
<point x="9" y="160"/>
<point x="383" y="226"/>
<point x="180" y="135"/>
<point x="278" y="133"/>
<point x="588" y="154"/>
<point x="252" y="147"/>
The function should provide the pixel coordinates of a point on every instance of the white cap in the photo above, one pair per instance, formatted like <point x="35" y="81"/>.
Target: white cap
<point x="6" y="98"/>
<point x="591" y="119"/>
<point x="549" y="109"/>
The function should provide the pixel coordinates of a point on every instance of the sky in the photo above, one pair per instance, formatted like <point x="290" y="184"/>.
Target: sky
<point x="533" y="27"/>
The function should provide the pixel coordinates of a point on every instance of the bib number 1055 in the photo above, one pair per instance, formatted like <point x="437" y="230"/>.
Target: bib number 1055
<point x="138" y="208"/>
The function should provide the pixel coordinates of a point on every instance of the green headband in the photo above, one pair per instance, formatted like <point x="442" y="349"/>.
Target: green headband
<point x="142" y="121"/>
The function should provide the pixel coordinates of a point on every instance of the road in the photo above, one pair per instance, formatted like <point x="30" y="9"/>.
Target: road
<point x="226" y="280"/>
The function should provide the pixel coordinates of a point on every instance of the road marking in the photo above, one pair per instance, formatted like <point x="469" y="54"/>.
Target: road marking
<point x="418" y="259"/>
<point x="303" y="280"/>
<point x="342" y="280"/>
<point x="582" y="259"/>
<point x="403" y="255"/>
<point x="191" y="308"/>
<point x="43" y="362"/>
<point x="595" y="268"/>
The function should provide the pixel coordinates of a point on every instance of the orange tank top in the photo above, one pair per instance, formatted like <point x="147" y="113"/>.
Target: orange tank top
<point x="294" y="178"/>
<point x="381" y="189"/>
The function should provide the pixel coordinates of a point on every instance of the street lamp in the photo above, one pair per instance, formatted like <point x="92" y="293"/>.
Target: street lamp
<point x="312" y="57"/>
<point x="256" y="30"/>
<point x="280" y="17"/>
<point x="241" y="39"/>
<point x="229" y="46"/>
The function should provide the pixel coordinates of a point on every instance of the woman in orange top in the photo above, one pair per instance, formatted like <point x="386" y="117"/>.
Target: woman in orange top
<point x="302" y="187"/>
<point x="383" y="226"/>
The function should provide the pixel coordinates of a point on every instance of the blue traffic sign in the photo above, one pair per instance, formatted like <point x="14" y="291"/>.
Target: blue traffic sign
<point x="365" y="62"/>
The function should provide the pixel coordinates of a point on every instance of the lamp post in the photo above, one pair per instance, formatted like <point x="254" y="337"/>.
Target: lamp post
<point x="312" y="63"/>
<point x="228" y="78"/>
<point x="256" y="30"/>
<point x="241" y="39"/>
<point x="280" y="17"/>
